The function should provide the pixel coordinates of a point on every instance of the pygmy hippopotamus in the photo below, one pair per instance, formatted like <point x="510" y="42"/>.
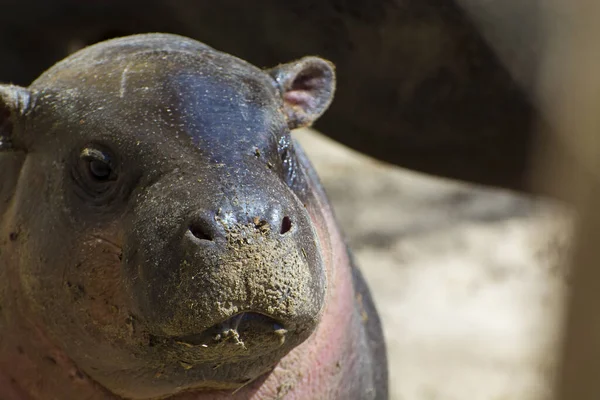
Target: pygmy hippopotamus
<point x="164" y="237"/>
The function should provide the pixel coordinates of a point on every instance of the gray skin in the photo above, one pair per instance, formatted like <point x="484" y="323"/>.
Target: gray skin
<point x="163" y="236"/>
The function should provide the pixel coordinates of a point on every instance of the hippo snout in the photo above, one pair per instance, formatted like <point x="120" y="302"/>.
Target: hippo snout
<point x="218" y="284"/>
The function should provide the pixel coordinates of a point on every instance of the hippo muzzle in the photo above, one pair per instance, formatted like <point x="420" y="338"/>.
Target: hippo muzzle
<point x="223" y="279"/>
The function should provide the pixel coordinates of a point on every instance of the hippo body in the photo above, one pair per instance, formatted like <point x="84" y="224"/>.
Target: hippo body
<point x="163" y="236"/>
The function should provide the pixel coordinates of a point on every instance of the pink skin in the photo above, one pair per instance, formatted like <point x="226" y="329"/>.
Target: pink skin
<point x="324" y="366"/>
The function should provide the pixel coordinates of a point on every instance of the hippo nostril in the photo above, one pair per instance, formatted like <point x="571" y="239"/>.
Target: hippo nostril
<point x="200" y="232"/>
<point x="286" y="225"/>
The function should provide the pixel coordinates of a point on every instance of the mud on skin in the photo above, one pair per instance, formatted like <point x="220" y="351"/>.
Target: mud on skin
<point x="163" y="236"/>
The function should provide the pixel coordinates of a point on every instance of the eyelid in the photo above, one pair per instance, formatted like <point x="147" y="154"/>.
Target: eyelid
<point x="94" y="154"/>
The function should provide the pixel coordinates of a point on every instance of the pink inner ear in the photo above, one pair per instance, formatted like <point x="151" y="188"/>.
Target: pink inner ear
<point x="308" y="80"/>
<point x="301" y="98"/>
<point x="305" y="89"/>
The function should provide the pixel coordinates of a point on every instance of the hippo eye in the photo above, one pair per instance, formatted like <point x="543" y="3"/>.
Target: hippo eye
<point x="95" y="172"/>
<point x="98" y="164"/>
<point x="100" y="170"/>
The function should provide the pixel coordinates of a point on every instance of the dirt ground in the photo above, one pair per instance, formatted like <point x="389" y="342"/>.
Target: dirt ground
<point x="468" y="281"/>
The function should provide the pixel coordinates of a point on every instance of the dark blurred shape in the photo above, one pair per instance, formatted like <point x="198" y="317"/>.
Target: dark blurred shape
<point x="417" y="84"/>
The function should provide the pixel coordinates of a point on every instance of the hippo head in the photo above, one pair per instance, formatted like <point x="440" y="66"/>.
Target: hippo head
<point x="159" y="218"/>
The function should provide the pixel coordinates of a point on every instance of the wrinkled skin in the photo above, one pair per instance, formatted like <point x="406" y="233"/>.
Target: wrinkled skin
<point x="162" y="236"/>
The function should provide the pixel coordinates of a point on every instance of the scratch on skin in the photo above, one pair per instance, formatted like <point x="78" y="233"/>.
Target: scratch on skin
<point x="123" y="82"/>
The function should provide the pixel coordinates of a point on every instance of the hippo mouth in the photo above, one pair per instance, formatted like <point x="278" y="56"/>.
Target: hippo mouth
<point x="244" y="336"/>
<point x="240" y="328"/>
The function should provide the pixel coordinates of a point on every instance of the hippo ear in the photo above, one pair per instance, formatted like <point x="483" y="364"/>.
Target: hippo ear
<point x="14" y="101"/>
<point x="307" y="87"/>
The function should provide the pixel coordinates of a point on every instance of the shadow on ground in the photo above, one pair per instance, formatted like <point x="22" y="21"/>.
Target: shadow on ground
<point x="468" y="280"/>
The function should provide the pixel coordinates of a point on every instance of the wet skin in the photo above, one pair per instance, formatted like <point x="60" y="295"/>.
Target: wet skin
<point x="164" y="237"/>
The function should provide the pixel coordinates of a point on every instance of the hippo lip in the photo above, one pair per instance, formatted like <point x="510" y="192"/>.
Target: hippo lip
<point x="241" y="327"/>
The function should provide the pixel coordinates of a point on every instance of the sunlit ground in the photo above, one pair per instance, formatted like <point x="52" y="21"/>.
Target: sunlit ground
<point x="467" y="281"/>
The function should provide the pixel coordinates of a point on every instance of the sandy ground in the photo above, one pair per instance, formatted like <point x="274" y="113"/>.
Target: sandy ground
<point x="468" y="281"/>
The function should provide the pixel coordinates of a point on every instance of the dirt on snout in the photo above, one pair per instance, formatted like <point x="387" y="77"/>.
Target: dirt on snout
<point x="258" y="272"/>
<point x="273" y="272"/>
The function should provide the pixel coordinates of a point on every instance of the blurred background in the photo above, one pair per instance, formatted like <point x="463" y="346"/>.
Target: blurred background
<point x="469" y="281"/>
